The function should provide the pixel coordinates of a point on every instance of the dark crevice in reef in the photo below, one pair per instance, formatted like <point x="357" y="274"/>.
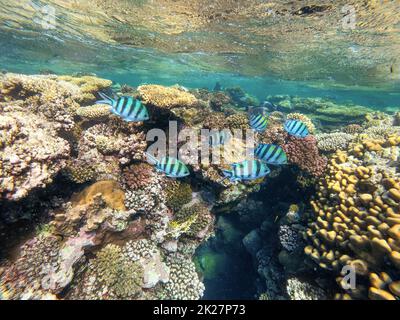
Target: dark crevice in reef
<point x="19" y="221"/>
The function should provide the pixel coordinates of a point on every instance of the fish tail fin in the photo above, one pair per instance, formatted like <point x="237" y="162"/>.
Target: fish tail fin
<point x="151" y="159"/>
<point x="105" y="99"/>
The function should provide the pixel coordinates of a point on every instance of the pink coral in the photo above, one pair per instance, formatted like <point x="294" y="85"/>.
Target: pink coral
<point x="304" y="152"/>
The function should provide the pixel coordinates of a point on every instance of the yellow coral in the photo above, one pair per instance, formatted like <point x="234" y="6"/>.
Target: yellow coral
<point x="110" y="191"/>
<point x="166" y="97"/>
<point x="357" y="221"/>
<point x="94" y="112"/>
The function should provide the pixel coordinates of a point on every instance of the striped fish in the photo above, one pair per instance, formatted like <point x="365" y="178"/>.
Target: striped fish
<point x="217" y="138"/>
<point x="126" y="107"/>
<point x="258" y="122"/>
<point x="172" y="167"/>
<point x="296" y="128"/>
<point x="271" y="154"/>
<point x="247" y="170"/>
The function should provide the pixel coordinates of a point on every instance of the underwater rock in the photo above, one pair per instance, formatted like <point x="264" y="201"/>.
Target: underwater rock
<point x="252" y="242"/>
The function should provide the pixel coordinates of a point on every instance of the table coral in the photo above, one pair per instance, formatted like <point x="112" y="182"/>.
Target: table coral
<point x="94" y="112"/>
<point x="31" y="153"/>
<point x="166" y="97"/>
<point x="357" y="219"/>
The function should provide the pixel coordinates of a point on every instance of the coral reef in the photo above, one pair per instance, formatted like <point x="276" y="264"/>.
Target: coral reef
<point x="184" y="283"/>
<point x="137" y="176"/>
<point x="177" y="194"/>
<point x="330" y="142"/>
<point x="31" y="152"/>
<point x="110" y="275"/>
<point x="94" y="112"/>
<point x="356" y="217"/>
<point x="326" y="112"/>
<point x="166" y="97"/>
<point x="305" y="154"/>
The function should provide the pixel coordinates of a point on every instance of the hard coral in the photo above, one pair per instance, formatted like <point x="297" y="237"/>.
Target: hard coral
<point x="109" y="190"/>
<point x="137" y="176"/>
<point x="166" y="97"/>
<point x="31" y="153"/>
<point x="357" y="221"/>
<point x="330" y="142"/>
<point x="178" y="194"/>
<point x="94" y="112"/>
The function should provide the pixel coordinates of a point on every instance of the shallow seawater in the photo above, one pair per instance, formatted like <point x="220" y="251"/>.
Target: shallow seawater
<point x="311" y="214"/>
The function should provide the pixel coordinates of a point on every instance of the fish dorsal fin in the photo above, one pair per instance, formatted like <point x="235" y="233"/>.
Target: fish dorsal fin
<point x="106" y="99"/>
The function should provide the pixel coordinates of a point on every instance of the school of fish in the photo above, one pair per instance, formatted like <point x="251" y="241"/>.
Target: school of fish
<point x="133" y="110"/>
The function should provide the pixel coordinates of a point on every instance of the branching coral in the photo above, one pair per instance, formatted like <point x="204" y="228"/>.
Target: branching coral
<point x="79" y="171"/>
<point x="301" y="290"/>
<point x="357" y="219"/>
<point x="137" y="176"/>
<point x="238" y="121"/>
<point x="353" y="128"/>
<point x="110" y="275"/>
<point x="289" y="237"/>
<point x="192" y="220"/>
<point x="31" y="153"/>
<point x="216" y="120"/>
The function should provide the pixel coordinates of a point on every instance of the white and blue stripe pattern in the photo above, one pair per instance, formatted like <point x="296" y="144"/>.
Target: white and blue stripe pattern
<point x="126" y="107"/>
<point x="296" y="128"/>
<point x="271" y="154"/>
<point x="247" y="170"/>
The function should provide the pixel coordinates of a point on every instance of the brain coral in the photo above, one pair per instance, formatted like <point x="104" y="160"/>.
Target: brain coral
<point x="166" y="97"/>
<point x="357" y="220"/>
<point x="31" y="153"/>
